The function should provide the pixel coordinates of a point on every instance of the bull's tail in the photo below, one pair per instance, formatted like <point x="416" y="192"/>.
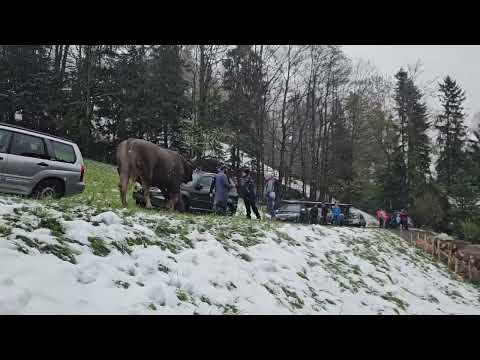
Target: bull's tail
<point x="125" y="168"/>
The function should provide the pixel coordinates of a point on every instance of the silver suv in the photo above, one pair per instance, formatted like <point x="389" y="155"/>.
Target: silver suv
<point x="37" y="164"/>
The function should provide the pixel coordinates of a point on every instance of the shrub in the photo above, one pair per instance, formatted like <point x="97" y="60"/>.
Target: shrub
<point x="427" y="210"/>
<point x="471" y="231"/>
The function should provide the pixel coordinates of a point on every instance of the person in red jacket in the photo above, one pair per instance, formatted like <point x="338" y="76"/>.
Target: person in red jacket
<point x="380" y="217"/>
<point x="404" y="219"/>
<point x="387" y="219"/>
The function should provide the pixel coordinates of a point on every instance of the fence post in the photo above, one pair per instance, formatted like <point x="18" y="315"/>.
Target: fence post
<point x="470" y="275"/>
<point x="456" y="265"/>
<point x="449" y="261"/>
<point x="439" y="255"/>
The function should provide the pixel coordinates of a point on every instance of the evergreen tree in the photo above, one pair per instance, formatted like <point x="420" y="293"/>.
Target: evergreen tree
<point x="418" y="160"/>
<point x="412" y="161"/>
<point x="451" y="133"/>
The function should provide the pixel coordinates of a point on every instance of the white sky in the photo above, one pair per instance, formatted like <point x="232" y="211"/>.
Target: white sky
<point x="461" y="62"/>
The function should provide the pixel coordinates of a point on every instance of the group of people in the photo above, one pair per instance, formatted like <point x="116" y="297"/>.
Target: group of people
<point x="393" y="220"/>
<point x="221" y="187"/>
<point x="332" y="214"/>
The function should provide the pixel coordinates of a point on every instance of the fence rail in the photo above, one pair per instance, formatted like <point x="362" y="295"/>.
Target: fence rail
<point x="461" y="257"/>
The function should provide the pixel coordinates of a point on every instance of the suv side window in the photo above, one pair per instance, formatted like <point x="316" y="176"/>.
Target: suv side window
<point x="27" y="145"/>
<point x="63" y="152"/>
<point x="5" y="137"/>
<point x="205" y="181"/>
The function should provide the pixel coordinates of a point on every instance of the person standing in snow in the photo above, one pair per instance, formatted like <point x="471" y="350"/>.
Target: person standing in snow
<point x="324" y="214"/>
<point x="379" y="217"/>
<point x="247" y="192"/>
<point x="397" y="218"/>
<point x="221" y="187"/>
<point x="386" y="220"/>
<point x="314" y="214"/>
<point x="269" y="191"/>
<point x="404" y="220"/>
<point x="337" y="214"/>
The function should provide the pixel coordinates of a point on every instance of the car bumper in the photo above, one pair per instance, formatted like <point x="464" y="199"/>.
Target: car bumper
<point x="76" y="188"/>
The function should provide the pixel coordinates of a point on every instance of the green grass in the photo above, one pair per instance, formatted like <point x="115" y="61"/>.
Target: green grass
<point x="101" y="189"/>
<point x="98" y="246"/>
<point x="182" y="295"/>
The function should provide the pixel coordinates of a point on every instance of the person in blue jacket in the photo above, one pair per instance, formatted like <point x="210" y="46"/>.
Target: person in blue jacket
<point x="222" y="187"/>
<point x="337" y="214"/>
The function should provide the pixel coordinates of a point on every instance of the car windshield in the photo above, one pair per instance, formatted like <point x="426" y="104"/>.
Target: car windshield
<point x="290" y="208"/>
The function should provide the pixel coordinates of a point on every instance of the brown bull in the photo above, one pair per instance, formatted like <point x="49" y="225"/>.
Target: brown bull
<point x="151" y="165"/>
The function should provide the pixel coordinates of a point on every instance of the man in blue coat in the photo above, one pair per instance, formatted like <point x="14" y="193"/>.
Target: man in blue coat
<point x="337" y="215"/>
<point x="222" y="187"/>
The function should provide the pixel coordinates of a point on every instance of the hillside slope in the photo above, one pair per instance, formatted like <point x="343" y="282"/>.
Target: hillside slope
<point x="76" y="256"/>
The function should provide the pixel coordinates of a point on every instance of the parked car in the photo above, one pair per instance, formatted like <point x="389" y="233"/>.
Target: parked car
<point x="290" y="212"/>
<point x="299" y="210"/>
<point x="38" y="164"/>
<point x="296" y="211"/>
<point x="195" y="195"/>
<point x="355" y="219"/>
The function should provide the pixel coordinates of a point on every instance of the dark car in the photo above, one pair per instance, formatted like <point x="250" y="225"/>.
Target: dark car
<point x="289" y="212"/>
<point x="195" y="195"/>
<point x="296" y="211"/>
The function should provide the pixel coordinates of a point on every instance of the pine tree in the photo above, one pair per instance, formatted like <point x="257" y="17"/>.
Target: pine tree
<point x="399" y="159"/>
<point x="412" y="163"/>
<point x="418" y="160"/>
<point x="451" y="132"/>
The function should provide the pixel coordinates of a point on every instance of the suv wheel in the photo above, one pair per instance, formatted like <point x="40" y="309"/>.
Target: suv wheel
<point x="186" y="205"/>
<point x="48" y="188"/>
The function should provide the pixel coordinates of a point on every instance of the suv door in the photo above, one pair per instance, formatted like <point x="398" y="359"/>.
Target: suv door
<point x="5" y="137"/>
<point x="200" y="197"/>
<point x="27" y="157"/>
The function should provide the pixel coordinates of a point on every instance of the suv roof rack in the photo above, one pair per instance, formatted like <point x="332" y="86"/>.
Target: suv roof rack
<point x="34" y="131"/>
<point x="306" y="202"/>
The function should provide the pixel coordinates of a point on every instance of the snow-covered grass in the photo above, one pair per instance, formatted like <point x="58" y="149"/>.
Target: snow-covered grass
<point x="85" y="255"/>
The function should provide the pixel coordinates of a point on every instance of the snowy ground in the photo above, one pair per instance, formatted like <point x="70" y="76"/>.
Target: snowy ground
<point x="78" y="260"/>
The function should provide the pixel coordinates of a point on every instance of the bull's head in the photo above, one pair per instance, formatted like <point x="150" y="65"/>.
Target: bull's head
<point x="187" y="170"/>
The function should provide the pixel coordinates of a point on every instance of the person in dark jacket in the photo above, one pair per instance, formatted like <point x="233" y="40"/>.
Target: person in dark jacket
<point x="314" y="214"/>
<point x="222" y="187"/>
<point x="324" y="214"/>
<point x="404" y="220"/>
<point x="247" y="192"/>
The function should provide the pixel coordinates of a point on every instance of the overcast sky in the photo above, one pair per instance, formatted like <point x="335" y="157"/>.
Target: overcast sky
<point x="461" y="62"/>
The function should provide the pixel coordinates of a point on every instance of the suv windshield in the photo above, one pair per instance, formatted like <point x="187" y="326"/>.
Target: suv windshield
<point x="205" y="181"/>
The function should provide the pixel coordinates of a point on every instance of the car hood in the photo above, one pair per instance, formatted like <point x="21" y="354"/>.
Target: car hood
<point x="286" y="213"/>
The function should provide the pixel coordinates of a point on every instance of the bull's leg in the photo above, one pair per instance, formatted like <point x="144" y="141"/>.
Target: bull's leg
<point x="172" y="202"/>
<point x="146" y="195"/>
<point x="123" y="187"/>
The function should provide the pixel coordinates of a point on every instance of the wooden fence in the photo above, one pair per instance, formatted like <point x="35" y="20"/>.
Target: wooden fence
<point x="461" y="257"/>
